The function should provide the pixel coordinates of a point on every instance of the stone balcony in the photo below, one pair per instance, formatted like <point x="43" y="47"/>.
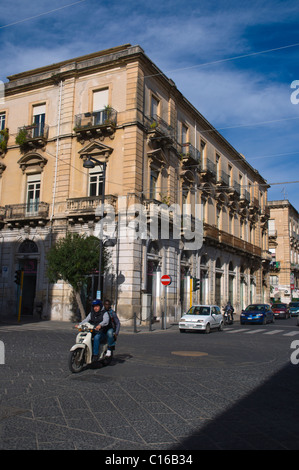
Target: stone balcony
<point x="82" y="209"/>
<point x="18" y="215"/>
<point x="96" y="123"/>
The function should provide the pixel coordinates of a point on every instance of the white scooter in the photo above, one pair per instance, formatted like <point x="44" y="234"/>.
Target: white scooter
<point x="80" y="354"/>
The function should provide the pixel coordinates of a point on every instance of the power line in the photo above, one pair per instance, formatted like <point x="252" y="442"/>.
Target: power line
<point x="251" y="54"/>
<point x="41" y="14"/>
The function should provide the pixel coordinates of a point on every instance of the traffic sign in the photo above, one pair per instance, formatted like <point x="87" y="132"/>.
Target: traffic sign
<point x="166" y="280"/>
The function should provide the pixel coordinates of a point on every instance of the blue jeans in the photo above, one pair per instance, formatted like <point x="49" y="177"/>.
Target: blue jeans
<point x="110" y="338"/>
<point x="99" y="337"/>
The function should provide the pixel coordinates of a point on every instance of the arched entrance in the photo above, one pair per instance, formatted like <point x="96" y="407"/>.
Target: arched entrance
<point x="153" y="276"/>
<point x="27" y="258"/>
<point x="218" y="277"/>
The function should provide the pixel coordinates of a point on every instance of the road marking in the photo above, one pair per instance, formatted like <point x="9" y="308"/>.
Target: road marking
<point x="292" y="333"/>
<point x="237" y="331"/>
<point x="273" y="332"/>
<point x="254" y="331"/>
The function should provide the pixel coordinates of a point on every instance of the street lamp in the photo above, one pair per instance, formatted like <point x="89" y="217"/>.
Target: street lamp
<point x="89" y="163"/>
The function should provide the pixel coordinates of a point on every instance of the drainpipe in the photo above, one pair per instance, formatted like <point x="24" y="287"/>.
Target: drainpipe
<point x="55" y="179"/>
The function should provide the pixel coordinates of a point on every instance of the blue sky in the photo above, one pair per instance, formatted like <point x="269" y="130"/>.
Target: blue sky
<point x="196" y="43"/>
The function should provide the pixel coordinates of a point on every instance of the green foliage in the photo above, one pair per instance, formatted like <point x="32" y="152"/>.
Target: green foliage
<point x="72" y="258"/>
<point x="21" y="138"/>
<point x="3" y="140"/>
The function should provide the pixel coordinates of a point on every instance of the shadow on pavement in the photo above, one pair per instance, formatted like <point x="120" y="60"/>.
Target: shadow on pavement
<point x="266" y="419"/>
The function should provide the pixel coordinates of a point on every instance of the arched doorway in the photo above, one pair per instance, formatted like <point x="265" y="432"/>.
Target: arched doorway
<point x="218" y="277"/>
<point x="204" y="280"/>
<point x="153" y="276"/>
<point x="231" y="280"/>
<point x="27" y="261"/>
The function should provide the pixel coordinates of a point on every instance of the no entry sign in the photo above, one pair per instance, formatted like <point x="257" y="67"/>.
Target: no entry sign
<point x="166" y="280"/>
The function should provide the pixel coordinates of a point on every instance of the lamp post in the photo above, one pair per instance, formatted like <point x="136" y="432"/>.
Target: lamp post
<point x="89" y="163"/>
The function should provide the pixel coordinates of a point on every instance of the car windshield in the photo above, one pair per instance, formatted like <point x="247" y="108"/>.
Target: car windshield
<point x="252" y="308"/>
<point x="294" y="304"/>
<point x="279" y="306"/>
<point x="199" y="310"/>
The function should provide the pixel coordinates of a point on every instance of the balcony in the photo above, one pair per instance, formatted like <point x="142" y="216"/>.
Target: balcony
<point x="274" y="266"/>
<point x="33" y="136"/>
<point x="221" y="238"/>
<point x="189" y="154"/>
<point x="35" y="213"/>
<point x="244" y="198"/>
<point x="208" y="171"/>
<point x="96" y="124"/>
<point x="222" y="179"/>
<point x="80" y="209"/>
<point x="159" y="131"/>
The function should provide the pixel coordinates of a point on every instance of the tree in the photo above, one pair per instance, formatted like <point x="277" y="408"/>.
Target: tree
<point x="72" y="258"/>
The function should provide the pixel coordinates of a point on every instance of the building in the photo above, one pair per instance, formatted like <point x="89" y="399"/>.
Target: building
<point x="116" y="106"/>
<point x="284" y="248"/>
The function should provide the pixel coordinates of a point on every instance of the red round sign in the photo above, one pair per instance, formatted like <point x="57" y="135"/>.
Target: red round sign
<point x="166" y="280"/>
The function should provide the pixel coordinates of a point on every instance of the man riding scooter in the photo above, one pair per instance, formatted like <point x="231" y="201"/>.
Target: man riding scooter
<point x="102" y="323"/>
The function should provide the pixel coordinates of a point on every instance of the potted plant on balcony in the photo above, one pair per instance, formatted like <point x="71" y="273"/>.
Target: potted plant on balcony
<point x="3" y="140"/>
<point x="21" y="138"/>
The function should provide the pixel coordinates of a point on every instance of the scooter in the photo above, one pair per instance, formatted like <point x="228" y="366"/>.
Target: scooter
<point x="228" y="320"/>
<point x="80" y="355"/>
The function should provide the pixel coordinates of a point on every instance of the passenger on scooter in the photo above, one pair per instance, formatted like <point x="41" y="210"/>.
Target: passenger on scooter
<point x="229" y="310"/>
<point x="101" y="321"/>
<point x="113" y="331"/>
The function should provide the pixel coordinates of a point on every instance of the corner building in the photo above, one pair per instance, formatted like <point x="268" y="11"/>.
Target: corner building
<point x="116" y="106"/>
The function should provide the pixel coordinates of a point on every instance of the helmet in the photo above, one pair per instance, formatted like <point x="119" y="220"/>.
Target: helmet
<point x="97" y="302"/>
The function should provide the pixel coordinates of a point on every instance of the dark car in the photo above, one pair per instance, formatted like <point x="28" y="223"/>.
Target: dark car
<point x="281" y="311"/>
<point x="294" y="309"/>
<point x="257" y="313"/>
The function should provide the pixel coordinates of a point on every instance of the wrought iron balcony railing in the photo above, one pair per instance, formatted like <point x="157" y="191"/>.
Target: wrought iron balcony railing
<point x="103" y="118"/>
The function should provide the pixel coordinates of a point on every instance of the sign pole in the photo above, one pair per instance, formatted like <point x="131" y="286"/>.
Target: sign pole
<point x="21" y="294"/>
<point x="166" y="281"/>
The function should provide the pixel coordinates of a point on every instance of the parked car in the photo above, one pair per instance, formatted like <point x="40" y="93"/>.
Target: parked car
<point x="202" y="318"/>
<point x="257" y="313"/>
<point x="281" y="310"/>
<point x="294" y="309"/>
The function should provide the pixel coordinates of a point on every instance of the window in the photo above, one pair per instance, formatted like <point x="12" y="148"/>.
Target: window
<point x="153" y="184"/>
<point x="96" y="183"/>
<point x="33" y="193"/>
<point x="2" y="121"/>
<point x="230" y="175"/>
<point x="154" y="106"/>
<point x="218" y="167"/>
<point x="184" y="136"/>
<point x="100" y="99"/>
<point x="39" y="114"/>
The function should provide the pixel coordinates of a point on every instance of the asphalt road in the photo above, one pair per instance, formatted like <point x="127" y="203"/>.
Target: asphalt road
<point x="164" y="391"/>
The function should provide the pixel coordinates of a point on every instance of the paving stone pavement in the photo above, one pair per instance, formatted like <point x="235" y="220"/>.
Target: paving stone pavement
<point x="138" y="404"/>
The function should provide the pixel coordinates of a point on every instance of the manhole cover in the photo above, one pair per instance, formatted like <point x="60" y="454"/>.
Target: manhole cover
<point x="189" y="353"/>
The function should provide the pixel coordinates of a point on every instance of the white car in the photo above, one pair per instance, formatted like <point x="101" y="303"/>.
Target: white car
<point x="202" y="318"/>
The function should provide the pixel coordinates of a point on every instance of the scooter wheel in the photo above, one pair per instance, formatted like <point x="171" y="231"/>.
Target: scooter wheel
<point x="76" y="360"/>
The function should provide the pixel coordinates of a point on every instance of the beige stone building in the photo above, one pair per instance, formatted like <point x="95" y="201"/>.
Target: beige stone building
<point x="284" y="248"/>
<point x="116" y="106"/>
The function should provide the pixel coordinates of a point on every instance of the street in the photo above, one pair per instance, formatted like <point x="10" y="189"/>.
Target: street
<point x="166" y="391"/>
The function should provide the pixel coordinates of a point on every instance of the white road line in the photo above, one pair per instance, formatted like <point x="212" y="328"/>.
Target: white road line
<point x="273" y="332"/>
<point x="292" y="333"/>
<point x="237" y="331"/>
<point x="254" y="331"/>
